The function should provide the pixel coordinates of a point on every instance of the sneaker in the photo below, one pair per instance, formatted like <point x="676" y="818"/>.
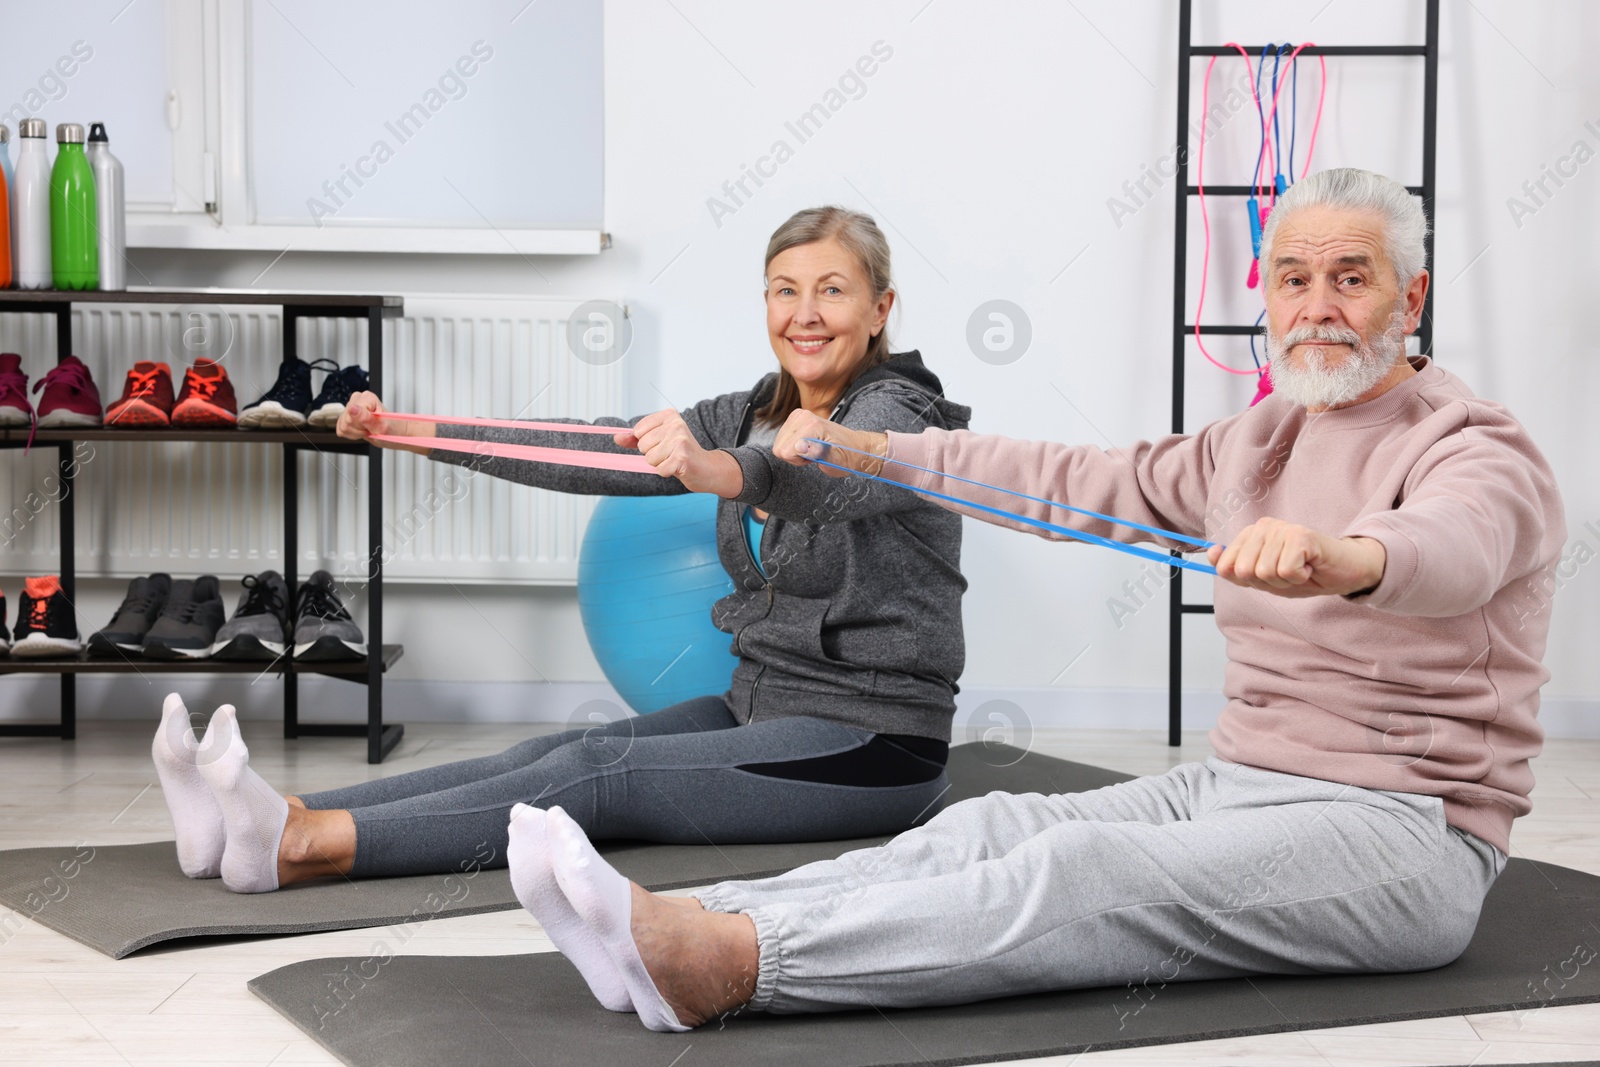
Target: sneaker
<point x="323" y="629"/>
<point x="283" y="407"/>
<point x="140" y="609"/>
<point x="206" y="399"/>
<point x="260" y="625"/>
<point x="14" y="407"/>
<point x="189" y="622"/>
<point x="5" y="634"/>
<point x="70" y="397"/>
<point x="337" y="389"/>
<point x="146" y="399"/>
<point x="46" y="625"/>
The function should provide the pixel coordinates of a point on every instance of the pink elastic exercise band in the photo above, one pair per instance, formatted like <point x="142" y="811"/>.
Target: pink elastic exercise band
<point x="566" y="457"/>
<point x="511" y="424"/>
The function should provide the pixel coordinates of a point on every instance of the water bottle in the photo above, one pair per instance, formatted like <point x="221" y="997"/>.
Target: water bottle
<point x="11" y="185"/>
<point x="110" y="209"/>
<point x="5" y="207"/>
<point x="5" y="155"/>
<point x="74" y="246"/>
<point x="30" y="208"/>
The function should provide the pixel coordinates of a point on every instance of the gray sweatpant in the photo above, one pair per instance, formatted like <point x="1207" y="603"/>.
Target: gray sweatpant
<point x="1211" y="870"/>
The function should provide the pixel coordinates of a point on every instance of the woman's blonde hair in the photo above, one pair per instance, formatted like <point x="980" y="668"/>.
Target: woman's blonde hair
<point x="860" y="234"/>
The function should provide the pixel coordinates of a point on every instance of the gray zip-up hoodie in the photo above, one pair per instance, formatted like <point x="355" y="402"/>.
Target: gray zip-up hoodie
<point x="857" y="618"/>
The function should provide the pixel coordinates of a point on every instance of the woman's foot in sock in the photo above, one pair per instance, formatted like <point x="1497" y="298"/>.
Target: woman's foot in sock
<point x="253" y="813"/>
<point x="196" y="818"/>
<point x="534" y="881"/>
<point x="682" y="967"/>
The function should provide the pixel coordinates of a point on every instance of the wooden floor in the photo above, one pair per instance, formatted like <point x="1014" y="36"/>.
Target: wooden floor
<point x="61" y="1003"/>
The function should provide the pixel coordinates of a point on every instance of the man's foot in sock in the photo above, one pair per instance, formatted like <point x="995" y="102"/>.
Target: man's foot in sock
<point x="253" y="813"/>
<point x="534" y="881"/>
<point x="196" y="818"/>
<point x="682" y="967"/>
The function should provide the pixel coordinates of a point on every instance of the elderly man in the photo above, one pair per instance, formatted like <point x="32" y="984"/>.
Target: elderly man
<point x="1384" y="529"/>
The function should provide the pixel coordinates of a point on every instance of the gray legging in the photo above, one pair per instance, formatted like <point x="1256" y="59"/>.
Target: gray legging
<point x="680" y="775"/>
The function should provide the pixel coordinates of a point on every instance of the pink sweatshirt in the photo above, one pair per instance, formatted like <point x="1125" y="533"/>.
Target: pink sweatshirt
<point x="1430" y="683"/>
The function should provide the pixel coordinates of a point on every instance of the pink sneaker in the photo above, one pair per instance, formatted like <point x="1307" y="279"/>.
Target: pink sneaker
<point x="14" y="407"/>
<point x="70" y="397"/>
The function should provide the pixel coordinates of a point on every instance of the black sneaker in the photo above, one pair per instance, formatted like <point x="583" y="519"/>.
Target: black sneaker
<point x="189" y="622"/>
<point x="337" y="389"/>
<point x="323" y="629"/>
<point x="46" y="626"/>
<point x="140" y="608"/>
<point x="259" y="629"/>
<point x="5" y="634"/>
<point x="283" y="407"/>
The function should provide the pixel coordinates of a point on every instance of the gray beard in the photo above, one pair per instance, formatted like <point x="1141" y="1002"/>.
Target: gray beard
<point x="1312" y="383"/>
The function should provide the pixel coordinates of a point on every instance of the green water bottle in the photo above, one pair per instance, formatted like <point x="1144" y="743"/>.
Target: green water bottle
<point x="74" y="244"/>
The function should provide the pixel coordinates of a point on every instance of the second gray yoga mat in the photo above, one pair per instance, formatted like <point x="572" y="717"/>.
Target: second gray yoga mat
<point x="1536" y="946"/>
<point x="122" y="898"/>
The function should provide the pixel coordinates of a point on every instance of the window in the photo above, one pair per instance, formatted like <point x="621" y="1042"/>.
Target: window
<point x="134" y="67"/>
<point x="406" y="125"/>
<point x="418" y="113"/>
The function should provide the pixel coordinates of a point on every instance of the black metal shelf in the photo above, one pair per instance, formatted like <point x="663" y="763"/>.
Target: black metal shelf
<point x="346" y="302"/>
<point x="310" y="440"/>
<point x="84" y="663"/>
<point x="381" y="738"/>
<point x="1183" y="329"/>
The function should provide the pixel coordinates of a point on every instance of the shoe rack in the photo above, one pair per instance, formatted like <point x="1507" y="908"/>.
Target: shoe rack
<point x="381" y="738"/>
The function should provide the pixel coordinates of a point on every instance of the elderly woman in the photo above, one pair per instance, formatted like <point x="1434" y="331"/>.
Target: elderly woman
<point x="846" y="621"/>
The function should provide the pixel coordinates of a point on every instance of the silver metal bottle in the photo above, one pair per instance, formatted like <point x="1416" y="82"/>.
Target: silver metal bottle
<point x="110" y="209"/>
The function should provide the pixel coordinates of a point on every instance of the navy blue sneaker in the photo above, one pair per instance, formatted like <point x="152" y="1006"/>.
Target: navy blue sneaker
<point x="337" y="389"/>
<point x="284" y="406"/>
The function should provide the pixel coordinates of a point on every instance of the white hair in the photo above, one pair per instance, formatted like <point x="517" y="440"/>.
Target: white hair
<point x="1349" y="188"/>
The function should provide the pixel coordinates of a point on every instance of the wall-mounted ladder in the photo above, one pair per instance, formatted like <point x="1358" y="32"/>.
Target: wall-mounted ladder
<point x="1182" y="329"/>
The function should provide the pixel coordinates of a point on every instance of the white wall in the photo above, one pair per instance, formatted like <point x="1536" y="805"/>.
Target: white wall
<point x="988" y="144"/>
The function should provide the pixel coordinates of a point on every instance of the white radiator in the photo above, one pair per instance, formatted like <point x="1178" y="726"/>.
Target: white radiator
<point x="200" y="508"/>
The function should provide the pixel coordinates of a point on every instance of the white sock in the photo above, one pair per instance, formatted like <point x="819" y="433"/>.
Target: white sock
<point x="196" y="818"/>
<point x="252" y="811"/>
<point x="534" y="880"/>
<point x="604" y="900"/>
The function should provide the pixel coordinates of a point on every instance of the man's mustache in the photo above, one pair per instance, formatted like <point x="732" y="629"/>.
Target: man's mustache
<point x="1338" y="335"/>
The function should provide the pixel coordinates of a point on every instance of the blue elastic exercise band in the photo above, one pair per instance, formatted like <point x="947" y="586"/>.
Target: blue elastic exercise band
<point x="1077" y="535"/>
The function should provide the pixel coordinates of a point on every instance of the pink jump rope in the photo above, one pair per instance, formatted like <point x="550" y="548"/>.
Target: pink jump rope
<point x="1258" y="213"/>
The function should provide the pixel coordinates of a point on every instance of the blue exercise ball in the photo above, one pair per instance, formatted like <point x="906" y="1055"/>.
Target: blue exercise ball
<point x="648" y="574"/>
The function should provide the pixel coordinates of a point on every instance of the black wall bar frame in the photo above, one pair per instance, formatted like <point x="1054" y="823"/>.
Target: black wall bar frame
<point x="1183" y="329"/>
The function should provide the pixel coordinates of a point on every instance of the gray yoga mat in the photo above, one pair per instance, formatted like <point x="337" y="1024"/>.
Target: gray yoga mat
<point x="1539" y="924"/>
<point x="118" y="899"/>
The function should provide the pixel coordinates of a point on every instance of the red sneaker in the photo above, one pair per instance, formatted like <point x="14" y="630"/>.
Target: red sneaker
<point x="14" y="407"/>
<point x="206" y="399"/>
<point x="70" y="397"/>
<point x="146" y="398"/>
